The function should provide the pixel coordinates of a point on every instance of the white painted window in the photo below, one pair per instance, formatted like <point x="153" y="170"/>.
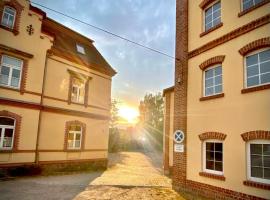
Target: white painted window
<point x="246" y="4"/>
<point x="80" y="48"/>
<point x="8" y="17"/>
<point x="212" y="16"/>
<point x="10" y="71"/>
<point x="213" y="157"/>
<point x="74" y="137"/>
<point x="257" y="68"/>
<point x="213" y="81"/>
<point x="78" y="91"/>
<point x="7" y="127"/>
<point x="258" y="161"/>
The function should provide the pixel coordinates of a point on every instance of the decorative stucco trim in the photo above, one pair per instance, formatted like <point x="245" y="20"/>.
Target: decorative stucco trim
<point x="212" y="135"/>
<point x="255" y="45"/>
<point x="231" y="35"/>
<point x="253" y="8"/>
<point x="255" y="89"/>
<point x="256" y="135"/>
<point x="19" y="8"/>
<point x="212" y="61"/>
<point x="205" y="3"/>
<point x="68" y="124"/>
<point x="17" y="130"/>
<point x="15" y="51"/>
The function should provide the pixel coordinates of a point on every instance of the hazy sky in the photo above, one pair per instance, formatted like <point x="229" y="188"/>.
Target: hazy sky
<point x="149" y="22"/>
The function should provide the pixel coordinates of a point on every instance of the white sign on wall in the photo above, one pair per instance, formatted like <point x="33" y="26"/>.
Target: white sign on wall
<point x="179" y="136"/>
<point x="179" y="148"/>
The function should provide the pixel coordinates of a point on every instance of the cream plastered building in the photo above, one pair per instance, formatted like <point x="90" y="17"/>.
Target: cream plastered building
<point x="55" y="91"/>
<point x="221" y="99"/>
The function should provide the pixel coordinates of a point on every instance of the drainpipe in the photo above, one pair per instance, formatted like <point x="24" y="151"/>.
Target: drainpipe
<point x="40" y="111"/>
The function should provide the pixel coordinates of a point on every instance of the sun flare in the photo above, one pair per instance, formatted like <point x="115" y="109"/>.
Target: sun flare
<point x="129" y="114"/>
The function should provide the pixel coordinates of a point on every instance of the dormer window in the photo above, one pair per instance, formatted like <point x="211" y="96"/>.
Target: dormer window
<point x="8" y="17"/>
<point x="80" y="49"/>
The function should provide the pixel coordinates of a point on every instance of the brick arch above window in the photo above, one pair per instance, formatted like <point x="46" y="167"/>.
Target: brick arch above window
<point x="78" y="123"/>
<point x="212" y="136"/>
<point x="17" y="130"/>
<point x="255" y="45"/>
<point x="212" y="61"/>
<point x="256" y="135"/>
<point x="205" y="3"/>
<point x="19" y="8"/>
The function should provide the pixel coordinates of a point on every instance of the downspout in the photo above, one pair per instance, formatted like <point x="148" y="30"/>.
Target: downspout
<point x="40" y="111"/>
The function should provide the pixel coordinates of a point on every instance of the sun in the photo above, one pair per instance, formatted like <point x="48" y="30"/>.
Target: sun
<point x="128" y="113"/>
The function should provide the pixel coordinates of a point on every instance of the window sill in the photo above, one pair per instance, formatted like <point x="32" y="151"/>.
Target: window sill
<point x="212" y="97"/>
<point x="73" y="150"/>
<point x="7" y="151"/>
<point x="214" y="176"/>
<point x="253" y="8"/>
<point x="254" y="89"/>
<point x="211" y="29"/>
<point x="263" y="186"/>
<point x="79" y="104"/>
<point x="15" y="32"/>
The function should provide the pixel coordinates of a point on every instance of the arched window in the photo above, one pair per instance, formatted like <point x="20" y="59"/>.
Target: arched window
<point x="7" y="127"/>
<point x="8" y="17"/>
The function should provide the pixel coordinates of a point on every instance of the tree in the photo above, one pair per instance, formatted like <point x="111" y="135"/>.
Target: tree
<point x="114" y="114"/>
<point x="113" y="131"/>
<point x="151" y="116"/>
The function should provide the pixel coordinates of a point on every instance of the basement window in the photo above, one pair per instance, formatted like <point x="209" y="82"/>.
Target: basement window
<point x="80" y="49"/>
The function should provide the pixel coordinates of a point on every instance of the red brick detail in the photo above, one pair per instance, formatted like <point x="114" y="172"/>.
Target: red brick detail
<point x="256" y="135"/>
<point x="231" y="35"/>
<point x="214" y="192"/>
<point x="167" y="119"/>
<point x="254" y="89"/>
<point x="255" y="45"/>
<point x="180" y="89"/>
<point x="68" y="124"/>
<point x="205" y="3"/>
<point x="253" y="8"/>
<point x="18" y="120"/>
<point x="212" y="61"/>
<point x="212" y="135"/>
<point x="257" y="185"/>
<point x="19" y="8"/>
<point x="216" y="96"/>
<point x="214" y="176"/>
<point x="211" y="29"/>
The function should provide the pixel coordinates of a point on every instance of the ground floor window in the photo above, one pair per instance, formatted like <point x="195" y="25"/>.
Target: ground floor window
<point x="259" y="161"/>
<point x="213" y="157"/>
<point x="7" y="126"/>
<point x="74" y="137"/>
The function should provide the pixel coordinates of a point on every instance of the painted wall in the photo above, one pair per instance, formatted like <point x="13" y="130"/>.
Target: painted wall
<point x="233" y="114"/>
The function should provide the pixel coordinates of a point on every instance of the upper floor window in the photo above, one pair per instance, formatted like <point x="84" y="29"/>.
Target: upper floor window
<point x="250" y="3"/>
<point x="258" y="68"/>
<point x="213" y="157"/>
<point x="78" y="91"/>
<point x="7" y="126"/>
<point x="8" y="17"/>
<point x="74" y="136"/>
<point x="213" y="81"/>
<point x="212" y="16"/>
<point x="259" y="161"/>
<point x="10" y="71"/>
<point x="80" y="48"/>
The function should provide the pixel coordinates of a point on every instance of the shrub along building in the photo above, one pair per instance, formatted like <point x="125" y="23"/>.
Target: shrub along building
<point x="55" y="90"/>
<point x="221" y="99"/>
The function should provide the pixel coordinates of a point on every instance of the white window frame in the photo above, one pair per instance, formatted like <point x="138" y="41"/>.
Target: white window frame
<point x="75" y="133"/>
<point x="15" y="13"/>
<point x="242" y="5"/>
<point x="4" y="127"/>
<point x="77" y="96"/>
<point x="245" y="67"/>
<point x="204" y="157"/>
<point x="204" y="86"/>
<point x="11" y="67"/>
<point x="255" y="179"/>
<point x="80" y="48"/>
<point x="204" y="12"/>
